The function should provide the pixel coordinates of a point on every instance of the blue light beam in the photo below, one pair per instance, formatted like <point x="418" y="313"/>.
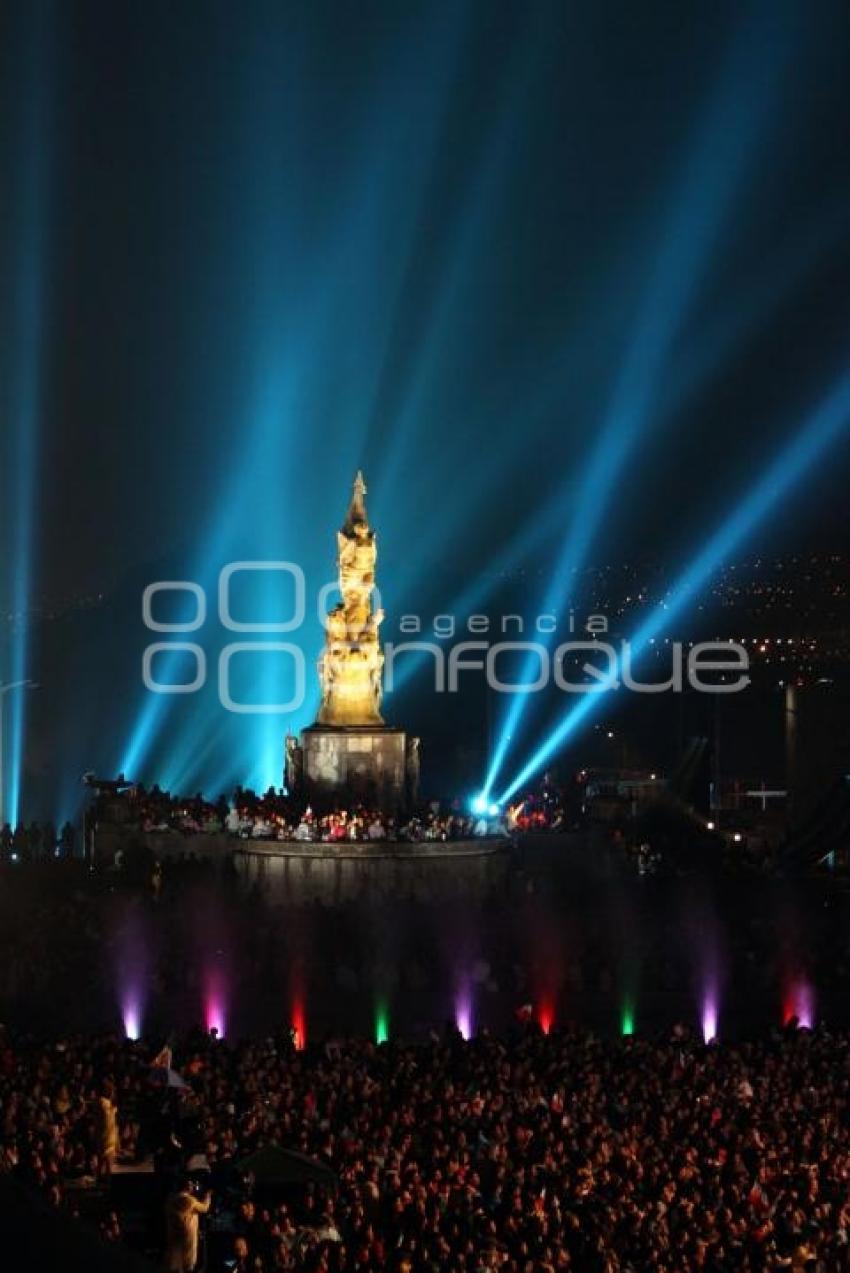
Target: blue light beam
<point x="828" y="422"/>
<point x="714" y="174"/>
<point x="23" y="394"/>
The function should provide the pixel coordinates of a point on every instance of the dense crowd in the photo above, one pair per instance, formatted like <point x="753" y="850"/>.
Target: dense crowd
<point x="526" y="1153"/>
<point x="517" y="1151"/>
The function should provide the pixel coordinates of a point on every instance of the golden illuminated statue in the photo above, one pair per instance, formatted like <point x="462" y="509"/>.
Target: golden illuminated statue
<point x="351" y="663"/>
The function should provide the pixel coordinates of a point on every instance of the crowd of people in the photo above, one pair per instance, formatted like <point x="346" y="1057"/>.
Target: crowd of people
<point x="516" y="1150"/>
<point x="37" y="842"/>
<point x="276" y="815"/>
<point x="527" y="1152"/>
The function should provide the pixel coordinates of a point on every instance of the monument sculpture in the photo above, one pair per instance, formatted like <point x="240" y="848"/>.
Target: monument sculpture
<point x="350" y="754"/>
<point x="351" y="663"/>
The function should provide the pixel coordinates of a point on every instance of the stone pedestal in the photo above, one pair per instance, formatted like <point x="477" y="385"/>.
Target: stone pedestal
<point x="344" y="764"/>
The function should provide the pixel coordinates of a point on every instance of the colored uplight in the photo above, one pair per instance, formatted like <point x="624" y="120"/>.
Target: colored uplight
<point x="299" y="1027"/>
<point x="545" y="1017"/>
<point x="824" y="427"/>
<point x="799" y="1002"/>
<point x="382" y="1024"/>
<point x="131" y="1012"/>
<point x="480" y="804"/>
<point x="627" y="1020"/>
<point x="463" y="1015"/>
<point x="214" y="1008"/>
<point x="709" y="1017"/>
<point x="214" y="1017"/>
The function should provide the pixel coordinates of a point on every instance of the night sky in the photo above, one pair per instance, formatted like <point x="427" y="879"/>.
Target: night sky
<point x="526" y="265"/>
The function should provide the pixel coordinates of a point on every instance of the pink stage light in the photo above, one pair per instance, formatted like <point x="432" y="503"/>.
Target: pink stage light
<point x="214" y="1016"/>
<point x="463" y="1015"/>
<point x="214" y="1006"/>
<point x="709" y="1016"/>
<point x="132" y="1014"/>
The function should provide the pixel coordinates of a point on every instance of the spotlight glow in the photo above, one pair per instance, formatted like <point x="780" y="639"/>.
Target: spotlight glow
<point x="545" y="1017"/>
<point x="799" y="1002"/>
<point x="463" y="1015"/>
<point x="382" y="1024"/>
<point x="214" y="1017"/>
<point x="709" y="1016"/>
<point x="627" y="1019"/>
<point x="480" y="803"/>
<point x="131" y="1012"/>
<point x="299" y="1028"/>
<point x="214" y="1007"/>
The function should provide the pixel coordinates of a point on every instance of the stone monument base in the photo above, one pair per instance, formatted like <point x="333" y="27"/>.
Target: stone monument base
<point x="343" y="764"/>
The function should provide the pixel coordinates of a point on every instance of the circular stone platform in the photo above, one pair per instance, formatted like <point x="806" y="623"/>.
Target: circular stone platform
<point x="372" y="850"/>
<point x="302" y="871"/>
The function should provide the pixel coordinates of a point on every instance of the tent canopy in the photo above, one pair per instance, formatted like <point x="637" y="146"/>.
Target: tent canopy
<point x="274" y="1165"/>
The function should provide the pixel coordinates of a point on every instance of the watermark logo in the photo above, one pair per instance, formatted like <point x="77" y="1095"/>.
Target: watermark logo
<point x="587" y="663"/>
<point x="285" y="649"/>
